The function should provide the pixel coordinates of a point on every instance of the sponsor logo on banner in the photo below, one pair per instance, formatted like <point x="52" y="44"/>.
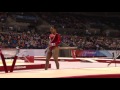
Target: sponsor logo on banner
<point x="81" y="53"/>
<point x="89" y="53"/>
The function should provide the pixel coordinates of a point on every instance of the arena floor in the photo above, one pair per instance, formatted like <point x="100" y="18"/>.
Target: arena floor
<point x="67" y="70"/>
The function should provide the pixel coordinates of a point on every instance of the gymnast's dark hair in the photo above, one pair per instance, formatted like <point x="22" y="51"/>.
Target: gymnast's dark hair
<point x="54" y="26"/>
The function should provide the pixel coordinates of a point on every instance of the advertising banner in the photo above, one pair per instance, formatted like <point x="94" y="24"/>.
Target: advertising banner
<point x="74" y="53"/>
<point x="95" y="53"/>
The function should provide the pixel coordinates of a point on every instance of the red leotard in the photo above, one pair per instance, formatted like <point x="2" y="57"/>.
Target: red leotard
<point x="56" y="39"/>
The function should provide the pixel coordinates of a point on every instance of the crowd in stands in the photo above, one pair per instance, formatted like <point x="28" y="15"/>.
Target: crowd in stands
<point x="81" y="37"/>
<point x="81" y="21"/>
<point x="92" y="43"/>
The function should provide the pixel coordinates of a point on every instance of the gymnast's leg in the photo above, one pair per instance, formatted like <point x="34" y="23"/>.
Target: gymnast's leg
<point x="55" y="53"/>
<point x="48" y="56"/>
